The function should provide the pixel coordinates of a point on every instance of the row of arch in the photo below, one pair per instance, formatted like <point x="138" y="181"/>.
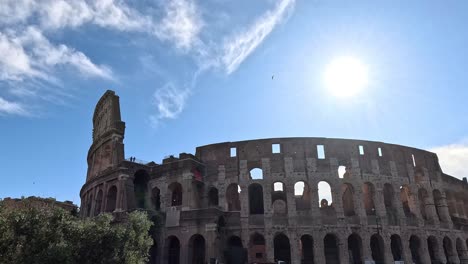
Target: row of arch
<point x="257" y="253"/>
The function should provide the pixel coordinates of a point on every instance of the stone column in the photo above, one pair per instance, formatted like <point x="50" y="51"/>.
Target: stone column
<point x="424" y="252"/>
<point x="462" y="253"/>
<point x="319" y="253"/>
<point x="121" y="203"/>
<point x="222" y="185"/>
<point x="366" y="249"/>
<point x="269" y="246"/>
<point x="187" y="192"/>
<point x="444" y="211"/>
<point x="388" y="255"/>
<point x="343" y="249"/>
<point x="294" y="245"/>
<point x="431" y="210"/>
<point x="405" y="248"/>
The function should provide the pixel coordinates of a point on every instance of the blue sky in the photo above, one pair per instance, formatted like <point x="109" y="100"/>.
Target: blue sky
<point x="191" y="73"/>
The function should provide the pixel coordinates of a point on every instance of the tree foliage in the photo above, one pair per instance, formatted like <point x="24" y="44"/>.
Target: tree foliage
<point x="53" y="235"/>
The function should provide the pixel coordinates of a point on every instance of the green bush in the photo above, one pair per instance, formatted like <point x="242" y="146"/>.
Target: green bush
<point x="52" y="235"/>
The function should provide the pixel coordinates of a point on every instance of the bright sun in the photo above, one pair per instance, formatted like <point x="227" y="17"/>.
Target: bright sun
<point x="346" y="76"/>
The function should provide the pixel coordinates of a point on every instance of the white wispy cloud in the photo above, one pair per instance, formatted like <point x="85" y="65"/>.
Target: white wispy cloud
<point x="181" y="23"/>
<point x="238" y="47"/>
<point x="453" y="158"/>
<point x="169" y="101"/>
<point x="7" y="107"/>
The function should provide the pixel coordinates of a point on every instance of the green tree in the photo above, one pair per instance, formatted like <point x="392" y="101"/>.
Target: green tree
<point x="52" y="235"/>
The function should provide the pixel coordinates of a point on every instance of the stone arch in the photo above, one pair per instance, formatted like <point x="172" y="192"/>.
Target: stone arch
<point x="307" y="249"/>
<point x="389" y="200"/>
<point x="98" y="205"/>
<point x="173" y="250"/>
<point x="397" y="248"/>
<point x="156" y="198"/>
<point x="355" y="249"/>
<point x="331" y="249"/>
<point x="282" y="248"/>
<point x="111" y="199"/>
<point x="175" y="191"/>
<point x="422" y="197"/>
<point x="325" y="194"/>
<point x="302" y="196"/>
<point x="197" y="249"/>
<point x="278" y="192"/>
<point x="234" y="241"/>
<point x="232" y="197"/>
<point x="415" y="249"/>
<point x="368" y="192"/>
<point x="213" y="197"/>
<point x="256" y="174"/>
<point x="140" y="189"/>
<point x="433" y="249"/>
<point x="257" y="248"/>
<point x="377" y="248"/>
<point x="347" y="197"/>
<point x="256" y="198"/>
<point x="448" y="249"/>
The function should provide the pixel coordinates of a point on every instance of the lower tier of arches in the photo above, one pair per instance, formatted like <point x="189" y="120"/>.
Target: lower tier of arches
<point x="270" y="246"/>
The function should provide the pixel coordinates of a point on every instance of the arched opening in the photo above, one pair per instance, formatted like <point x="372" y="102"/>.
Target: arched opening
<point x="235" y="253"/>
<point x="175" y="190"/>
<point x="355" y="249"/>
<point x="232" y="197"/>
<point x="388" y="194"/>
<point x="438" y="204"/>
<point x="342" y="172"/>
<point x="433" y="248"/>
<point x="330" y="247"/>
<point x="111" y="199"/>
<point x="282" y="248"/>
<point x="307" y="250"/>
<point x="278" y="192"/>
<point x="197" y="249"/>
<point x="256" y="198"/>
<point x="369" y="194"/>
<point x="448" y="249"/>
<point x="98" y="205"/>
<point x="325" y="194"/>
<point x="213" y="199"/>
<point x="156" y="198"/>
<point x="404" y="197"/>
<point x="173" y="250"/>
<point x="422" y="196"/>
<point x="348" y="199"/>
<point x="140" y="189"/>
<point x="256" y="174"/>
<point x="153" y="253"/>
<point x="397" y="248"/>
<point x="302" y="196"/>
<point x="415" y="248"/>
<point x="377" y="248"/>
<point x="257" y="248"/>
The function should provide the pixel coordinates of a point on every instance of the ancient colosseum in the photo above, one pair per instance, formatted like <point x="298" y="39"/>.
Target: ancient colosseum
<point x="300" y="200"/>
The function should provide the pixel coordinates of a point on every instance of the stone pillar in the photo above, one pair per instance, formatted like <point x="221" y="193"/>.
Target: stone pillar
<point x="187" y="191"/>
<point x="294" y="245"/>
<point x="366" y="249"/>
<point x="444" y="211"/>
<point x="319" y="253"/>
<point x="343" y="249"/>
<point x="121" y="203"/>
<point x="269" y="246"/>
<point x="405" y="248"/>
<point x="388" y="256"/>
<point x="222" y="187"/>
<point x="462" y="253"/>
<point x="424" y="252"/>
<point x="431" y="210"/>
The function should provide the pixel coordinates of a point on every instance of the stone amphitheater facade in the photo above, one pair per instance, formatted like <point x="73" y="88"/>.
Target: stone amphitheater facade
<point x="300" y="200"/>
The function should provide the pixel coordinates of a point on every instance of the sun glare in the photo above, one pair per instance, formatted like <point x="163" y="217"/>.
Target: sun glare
<point x="346" y="76"/>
